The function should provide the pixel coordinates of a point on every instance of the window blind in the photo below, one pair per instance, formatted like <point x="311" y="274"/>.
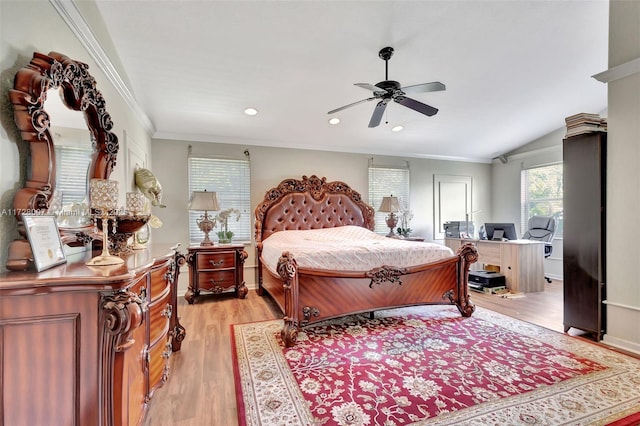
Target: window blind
<point x="72" y="166"/>
<point x="231" y="181"/>
<point x="541" y="193"/>
<point x="383" y="182"/>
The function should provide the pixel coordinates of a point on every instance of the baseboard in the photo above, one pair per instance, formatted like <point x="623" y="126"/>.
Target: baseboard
<point x="621" y="344"/>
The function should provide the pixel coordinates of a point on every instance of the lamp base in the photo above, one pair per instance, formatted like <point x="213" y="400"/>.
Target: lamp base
<point x="105" y="260"/>
<point x="392" y="221"/>
<point x="206" y="225"/>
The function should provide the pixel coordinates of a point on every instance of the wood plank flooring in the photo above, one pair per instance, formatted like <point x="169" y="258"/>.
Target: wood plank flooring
<point x="201" y="389"/>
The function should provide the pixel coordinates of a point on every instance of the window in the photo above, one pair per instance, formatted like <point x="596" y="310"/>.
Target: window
<point x="72" y="165"/>
<point x="383" y="182"/>
<point x="541" y="194"/>
<point x="231" y="180"/>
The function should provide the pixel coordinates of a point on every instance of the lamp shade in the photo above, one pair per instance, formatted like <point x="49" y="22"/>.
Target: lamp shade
<point x="389" y="205"/>
<point x="203" y="201"/>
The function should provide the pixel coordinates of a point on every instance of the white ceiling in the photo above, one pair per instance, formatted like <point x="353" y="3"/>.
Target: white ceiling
<point x="513" y="70"/>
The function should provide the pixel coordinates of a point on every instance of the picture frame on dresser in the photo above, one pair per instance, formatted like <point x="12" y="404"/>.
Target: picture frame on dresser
<point x="44" y="239"/>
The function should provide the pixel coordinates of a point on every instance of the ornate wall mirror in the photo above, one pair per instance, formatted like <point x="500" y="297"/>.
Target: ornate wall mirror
<point x="78" y="91"/>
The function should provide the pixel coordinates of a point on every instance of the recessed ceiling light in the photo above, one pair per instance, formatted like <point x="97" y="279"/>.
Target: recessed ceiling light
<point x="397" y="128"/>
<point x="334" y="120"/>
<point x="251" y="111"/>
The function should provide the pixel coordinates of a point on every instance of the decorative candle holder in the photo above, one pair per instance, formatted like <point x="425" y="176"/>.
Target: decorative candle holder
<point x="104" y="199"/>
<point x="136" y="203"/>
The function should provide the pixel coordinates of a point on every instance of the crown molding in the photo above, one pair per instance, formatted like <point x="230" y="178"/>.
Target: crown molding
<point x="619" y="71"/>
<point x="79" y="27"/>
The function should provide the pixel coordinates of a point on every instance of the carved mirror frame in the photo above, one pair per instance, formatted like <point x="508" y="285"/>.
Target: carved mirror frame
<point x="28" y="96"/>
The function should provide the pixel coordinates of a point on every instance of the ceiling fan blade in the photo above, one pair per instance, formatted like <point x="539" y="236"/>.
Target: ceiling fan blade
<point x="378" y="112"/>
<point x="416" y="106"/>
<point x="434" y="86"/>
<point x="369" y="87"/>
<point x="333" y="111"/>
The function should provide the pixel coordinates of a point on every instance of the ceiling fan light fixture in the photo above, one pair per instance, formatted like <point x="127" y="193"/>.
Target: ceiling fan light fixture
<point x="397" y="128"/>
<point x="251" y="111"/>
<point x="334" y="120"/>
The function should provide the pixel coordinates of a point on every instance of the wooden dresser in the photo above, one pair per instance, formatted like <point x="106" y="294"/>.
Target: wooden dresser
<point x="88" y="345"/>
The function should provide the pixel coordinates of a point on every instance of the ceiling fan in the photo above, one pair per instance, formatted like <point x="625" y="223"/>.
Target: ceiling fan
<point x="388" y="90"/>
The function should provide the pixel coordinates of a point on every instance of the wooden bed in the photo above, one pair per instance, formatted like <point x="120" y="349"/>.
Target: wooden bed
<point x="307" y="296"/>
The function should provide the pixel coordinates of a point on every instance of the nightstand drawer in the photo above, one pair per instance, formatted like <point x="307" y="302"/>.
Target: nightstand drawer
<point x="219" y="260"/>
<point x="213" y="280"/>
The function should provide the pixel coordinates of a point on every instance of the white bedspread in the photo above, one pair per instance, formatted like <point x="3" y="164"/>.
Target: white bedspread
<point x="349" y="248"/>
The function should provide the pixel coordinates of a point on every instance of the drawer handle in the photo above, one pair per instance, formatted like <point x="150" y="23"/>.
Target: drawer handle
<point x="216" y="282"/>
<point x="166" y="312"/>
<point x="218" y="263"/>
<point x="168" y="350"/>
<point x="147" y="359"/>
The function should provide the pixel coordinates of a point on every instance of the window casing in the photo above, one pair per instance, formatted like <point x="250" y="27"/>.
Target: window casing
<point x="383" y="182"/>
<point x="541" y="190"/>
<point x="231" y="181"/>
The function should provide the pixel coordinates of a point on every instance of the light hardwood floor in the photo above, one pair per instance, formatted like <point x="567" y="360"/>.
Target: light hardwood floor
<point x="201" y="389"/>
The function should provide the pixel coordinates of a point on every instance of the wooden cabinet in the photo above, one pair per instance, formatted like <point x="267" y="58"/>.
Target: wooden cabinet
<point x="584" y="252"/>
<point x="216" y="269"/>
<point x="88" y="345"/>
<point x="521" y="261"/>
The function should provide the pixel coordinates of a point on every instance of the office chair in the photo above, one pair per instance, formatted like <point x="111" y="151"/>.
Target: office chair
<point x="542" y="228"/>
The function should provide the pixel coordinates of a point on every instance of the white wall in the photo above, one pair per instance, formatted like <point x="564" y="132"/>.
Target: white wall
<point x="505" y="185"/>
<point x="27" y="27"/>
<point x="269" y="166"/>
<point x="623" y="181"/>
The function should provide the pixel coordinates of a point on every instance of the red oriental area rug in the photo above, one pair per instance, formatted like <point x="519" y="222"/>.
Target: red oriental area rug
<point x="427" y="365"/>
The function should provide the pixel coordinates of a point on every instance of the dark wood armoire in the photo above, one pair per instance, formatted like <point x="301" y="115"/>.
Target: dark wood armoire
<point x="584" y="268"/>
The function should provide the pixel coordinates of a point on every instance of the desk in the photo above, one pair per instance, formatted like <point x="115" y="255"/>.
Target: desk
<point x="521" y="261"/>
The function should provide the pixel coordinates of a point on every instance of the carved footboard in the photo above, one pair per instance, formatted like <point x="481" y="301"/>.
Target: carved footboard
<point x="308" y="296"/>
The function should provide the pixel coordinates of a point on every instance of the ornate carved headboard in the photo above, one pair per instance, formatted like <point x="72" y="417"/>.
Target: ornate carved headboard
<point x="310" y="203"/>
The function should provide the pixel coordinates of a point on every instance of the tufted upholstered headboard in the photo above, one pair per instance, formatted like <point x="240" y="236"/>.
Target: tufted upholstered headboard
<point x="310" y="203"/>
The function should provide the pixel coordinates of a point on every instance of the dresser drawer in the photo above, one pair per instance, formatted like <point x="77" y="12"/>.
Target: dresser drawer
<point x="218" y="260"/>
<point x="212" y="280"/>
<point x="139" y="288"/>
<point x="158" y="357"/>
<point x="159" y="281"/>
<point x="489" y="253"/>
<point x="160" y="313"/>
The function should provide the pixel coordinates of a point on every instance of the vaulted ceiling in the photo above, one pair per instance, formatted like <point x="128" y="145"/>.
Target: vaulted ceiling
<point x="513" y="70"/>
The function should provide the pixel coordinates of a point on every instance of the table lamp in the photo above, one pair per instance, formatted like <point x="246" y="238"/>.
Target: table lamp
<point x="103" y="195"/>
<point x="204" y="201"/>
<point x="390" y="205"/>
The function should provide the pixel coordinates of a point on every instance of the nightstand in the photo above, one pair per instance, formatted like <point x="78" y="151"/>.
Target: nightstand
<point x="216" y="269"/>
